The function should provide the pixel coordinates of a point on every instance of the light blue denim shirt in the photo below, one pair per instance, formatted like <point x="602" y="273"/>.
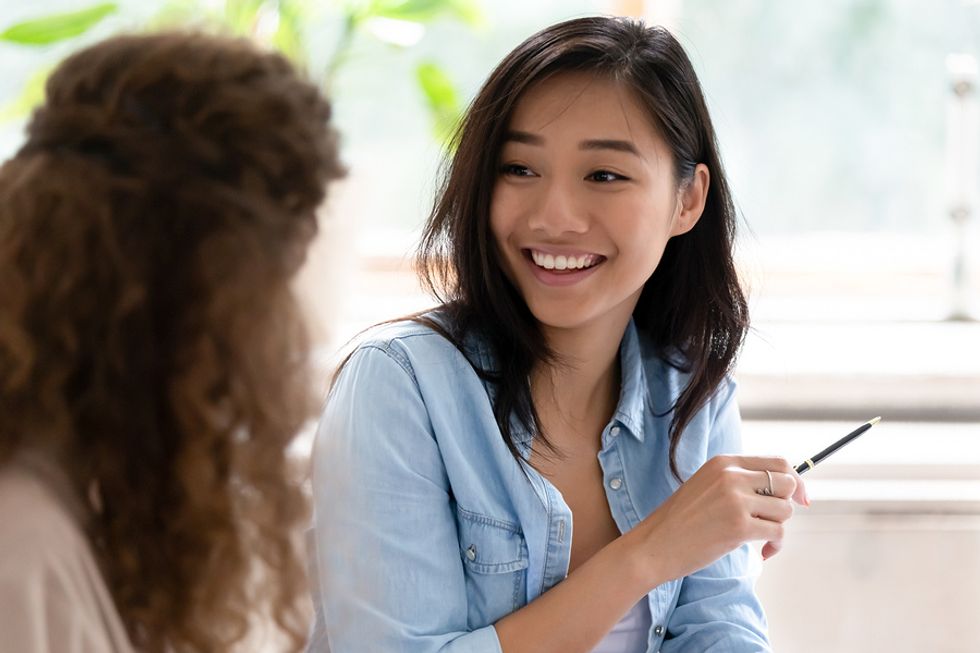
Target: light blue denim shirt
<point x="428" y="530"/>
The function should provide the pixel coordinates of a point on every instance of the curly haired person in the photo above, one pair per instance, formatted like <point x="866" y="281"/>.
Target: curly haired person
<point x="153" y="365"/>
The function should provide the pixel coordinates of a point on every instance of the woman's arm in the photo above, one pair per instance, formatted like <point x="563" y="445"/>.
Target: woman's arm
<point x="390" y="571"/>
<point x="576" y="614"/>
<point x="714" y="512"/>
<point x="717" y="609"/>
<point x="699" y="533"/>
<point x="389" y="568"/>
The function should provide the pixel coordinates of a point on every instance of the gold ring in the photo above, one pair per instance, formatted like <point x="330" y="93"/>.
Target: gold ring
<point x="767" y="491"/>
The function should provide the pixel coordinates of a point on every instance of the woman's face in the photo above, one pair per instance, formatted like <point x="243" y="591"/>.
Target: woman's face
<point x="585" y="201"/>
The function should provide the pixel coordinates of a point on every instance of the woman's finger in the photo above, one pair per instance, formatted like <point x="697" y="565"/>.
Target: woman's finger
<point x="769" y="549"/>
<point x="799" y="495"/>
<point x="775" y="484"/>
<point x="787" y="483"/>
<point x="762" y="463"/>
<point x="774" y="538"/>
<point x="771" y="509"/>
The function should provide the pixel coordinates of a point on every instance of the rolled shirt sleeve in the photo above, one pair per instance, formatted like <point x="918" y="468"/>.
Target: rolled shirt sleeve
<point x="717" y="609"/>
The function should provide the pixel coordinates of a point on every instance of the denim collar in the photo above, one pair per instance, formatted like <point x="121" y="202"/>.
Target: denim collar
<point x="633" y="394"/>
<point x="634" y="389"/>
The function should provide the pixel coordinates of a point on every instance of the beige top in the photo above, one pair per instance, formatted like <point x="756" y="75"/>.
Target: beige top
<point x="52" y="595"/>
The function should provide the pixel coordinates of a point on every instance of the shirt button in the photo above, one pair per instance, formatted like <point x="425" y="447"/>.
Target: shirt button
<point x="614" y="431"/>
<point x="658" y="631"/>
<point x="616" y="483"/>
<point x="471" y="553"/>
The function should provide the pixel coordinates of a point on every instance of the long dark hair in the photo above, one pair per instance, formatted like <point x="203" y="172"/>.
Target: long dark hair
<point x="692" y="307"/>
<point x="150" y="228"/>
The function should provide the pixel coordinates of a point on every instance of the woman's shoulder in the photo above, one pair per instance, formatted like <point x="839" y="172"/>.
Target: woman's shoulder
<point x="42" y="540"/>
<point x="44" y="554"/>
<point x="36" y="520"/>
<point x="421" y="342"/>
<point x="405" y="333"/>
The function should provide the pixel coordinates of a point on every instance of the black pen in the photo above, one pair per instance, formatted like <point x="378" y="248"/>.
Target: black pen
<point x="810" y="463"/>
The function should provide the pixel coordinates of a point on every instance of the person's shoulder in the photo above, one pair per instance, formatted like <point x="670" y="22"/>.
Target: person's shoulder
<point x="45" y="555"/>
<point x="40" y="538"/>
<point x="406" y="333"/>
<point x="424" y="341"/>
<point x="36" y="522"/>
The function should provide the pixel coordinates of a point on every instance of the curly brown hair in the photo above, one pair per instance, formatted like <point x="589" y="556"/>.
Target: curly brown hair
<point x="149" y="337"/>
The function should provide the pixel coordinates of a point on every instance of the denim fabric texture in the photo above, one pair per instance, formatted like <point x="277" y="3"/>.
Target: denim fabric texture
<point x="427" y="530"/>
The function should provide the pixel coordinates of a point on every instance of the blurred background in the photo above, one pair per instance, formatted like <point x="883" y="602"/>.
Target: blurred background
<point x="849" y="129"/>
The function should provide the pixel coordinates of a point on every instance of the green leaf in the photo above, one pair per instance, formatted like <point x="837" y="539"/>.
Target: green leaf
<point x="469" y="12"/>
<point x="31" y="95"/>
<point x="423" y="11"/>
<point x="241" y="15"/>
<point x="179" y="13"/>
<point x="441" y="98"/>
<point x="289" y="38"/>
<point x="57" y="27"/>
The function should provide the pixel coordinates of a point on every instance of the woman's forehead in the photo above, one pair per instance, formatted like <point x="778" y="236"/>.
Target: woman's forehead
<point x="584" y="105"/>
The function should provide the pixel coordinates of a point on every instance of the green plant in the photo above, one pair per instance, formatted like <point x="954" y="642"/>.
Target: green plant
<point x="43" y="31"/>
<point x="57" y="27"/>
<point x="281" y="24"/>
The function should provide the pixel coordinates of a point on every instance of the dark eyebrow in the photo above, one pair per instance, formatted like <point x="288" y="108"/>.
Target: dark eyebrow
<point x="523" y="137"/>
<point x="609" y="144"/>
<point x="597" y="144"/>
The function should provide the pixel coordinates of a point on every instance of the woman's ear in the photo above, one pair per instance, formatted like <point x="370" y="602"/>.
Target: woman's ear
<point x="692" y="198"/>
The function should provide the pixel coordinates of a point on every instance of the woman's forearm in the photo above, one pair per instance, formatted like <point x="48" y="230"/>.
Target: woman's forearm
<point x="573" y="616"/>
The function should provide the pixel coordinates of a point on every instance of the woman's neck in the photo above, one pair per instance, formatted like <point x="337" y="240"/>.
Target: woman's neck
<point x="584" y="386"/>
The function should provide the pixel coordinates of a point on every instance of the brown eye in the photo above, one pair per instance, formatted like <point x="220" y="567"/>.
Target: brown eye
<point x="516" y="170"/>
<point x="604" y="176"/>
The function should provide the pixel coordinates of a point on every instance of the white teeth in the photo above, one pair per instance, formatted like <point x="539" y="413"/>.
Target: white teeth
<point x="562" y="262"/>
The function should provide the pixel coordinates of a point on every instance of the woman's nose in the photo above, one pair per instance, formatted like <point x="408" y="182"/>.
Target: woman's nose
<point x="557" y="212"/>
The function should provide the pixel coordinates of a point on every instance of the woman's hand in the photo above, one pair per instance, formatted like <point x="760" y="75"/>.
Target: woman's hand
<point x="715" y="511"/>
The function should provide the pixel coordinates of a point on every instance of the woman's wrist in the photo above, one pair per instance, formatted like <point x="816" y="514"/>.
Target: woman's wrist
<point x="644" y="564"/>
<point x="574" y="615"/>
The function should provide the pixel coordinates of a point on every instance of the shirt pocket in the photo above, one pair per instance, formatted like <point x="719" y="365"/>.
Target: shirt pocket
<point x="495" y="560"/>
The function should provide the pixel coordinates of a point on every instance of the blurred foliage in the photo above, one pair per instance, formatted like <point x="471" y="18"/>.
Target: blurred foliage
<point x="441" y="97"/>
<point x="43" y="31"/>
<point x="283" y="25"/>
<point x="30" y="96"/>
<point x="397" y="23"/>
<point x="57" y="27"/>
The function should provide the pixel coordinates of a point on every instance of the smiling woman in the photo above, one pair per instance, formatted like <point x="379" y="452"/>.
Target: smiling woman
<point x="565" y="198"/>
<point x="549" y="461"/>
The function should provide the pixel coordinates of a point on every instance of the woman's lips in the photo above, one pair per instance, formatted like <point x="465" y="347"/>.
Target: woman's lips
<point x="561" y="269"/>
<point x="562" y="261"/>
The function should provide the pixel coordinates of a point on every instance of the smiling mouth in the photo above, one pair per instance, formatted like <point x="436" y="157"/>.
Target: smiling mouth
<point x="563" y="263"/>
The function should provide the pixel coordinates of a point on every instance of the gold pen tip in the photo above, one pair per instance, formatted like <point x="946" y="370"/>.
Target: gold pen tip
<point x="874" y="421"/>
